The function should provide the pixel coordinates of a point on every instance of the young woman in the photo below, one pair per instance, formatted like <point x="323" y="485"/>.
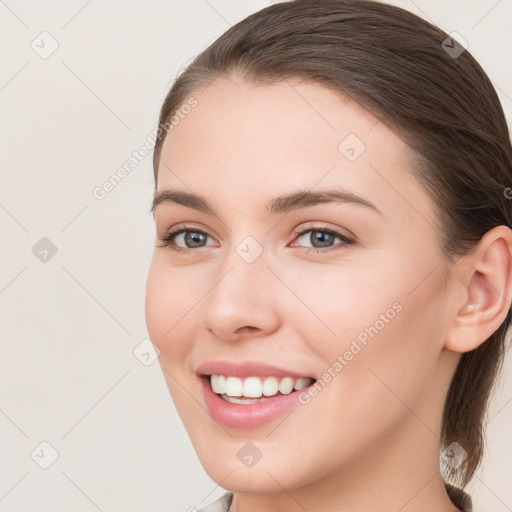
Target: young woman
<point x="332" y="278"/>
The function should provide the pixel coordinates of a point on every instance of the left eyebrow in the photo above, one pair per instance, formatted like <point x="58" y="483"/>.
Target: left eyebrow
<point x="277" y="205"/>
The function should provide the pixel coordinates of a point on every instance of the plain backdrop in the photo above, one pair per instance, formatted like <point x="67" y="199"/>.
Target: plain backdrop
<point x="86" y="423"/>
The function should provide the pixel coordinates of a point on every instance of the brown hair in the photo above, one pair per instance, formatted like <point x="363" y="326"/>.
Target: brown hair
<point x="434" y="95"/>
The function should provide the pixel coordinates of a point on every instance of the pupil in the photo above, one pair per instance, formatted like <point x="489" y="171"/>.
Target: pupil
<point x="193" y="237"/>
<point x="322" y="237"/>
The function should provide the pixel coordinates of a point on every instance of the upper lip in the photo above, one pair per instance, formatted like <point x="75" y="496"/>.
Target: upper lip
<point x="246" y="369"/>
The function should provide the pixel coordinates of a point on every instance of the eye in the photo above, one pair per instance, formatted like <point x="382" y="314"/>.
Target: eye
<point x="191" y="237"/>
<point x="321" y="238"/>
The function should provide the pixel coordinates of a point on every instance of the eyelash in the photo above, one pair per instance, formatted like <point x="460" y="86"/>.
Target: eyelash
<point x="167" y="239"/>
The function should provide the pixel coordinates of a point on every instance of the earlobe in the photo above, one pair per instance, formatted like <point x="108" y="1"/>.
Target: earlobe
<point x="487" y="282"/>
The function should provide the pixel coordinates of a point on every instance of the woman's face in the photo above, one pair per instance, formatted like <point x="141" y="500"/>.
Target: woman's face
<point x="271" y="291"/>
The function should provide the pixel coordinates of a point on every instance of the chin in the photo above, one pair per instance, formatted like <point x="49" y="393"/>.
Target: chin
<point x="265" y="479"/>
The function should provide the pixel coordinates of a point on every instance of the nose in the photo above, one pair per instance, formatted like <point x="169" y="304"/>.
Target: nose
<point x="243" y="300"/>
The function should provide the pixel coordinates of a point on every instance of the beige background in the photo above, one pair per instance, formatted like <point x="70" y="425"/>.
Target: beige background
<point x="68" y="373"/>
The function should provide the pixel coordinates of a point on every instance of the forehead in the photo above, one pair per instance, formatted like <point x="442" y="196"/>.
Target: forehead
<point x="291" y="114"/>
<point x="245" y="139"/>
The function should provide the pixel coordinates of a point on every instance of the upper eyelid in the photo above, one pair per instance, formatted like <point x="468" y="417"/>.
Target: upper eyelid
<point x="184" y="228"/>
<point x="310" y="225"/>
<point x="297" y="232"/>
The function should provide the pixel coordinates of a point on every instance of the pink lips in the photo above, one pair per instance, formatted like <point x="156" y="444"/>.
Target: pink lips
<point x="246" y="416"/>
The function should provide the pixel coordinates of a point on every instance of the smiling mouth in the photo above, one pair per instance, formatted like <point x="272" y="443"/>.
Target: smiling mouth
<point x="254" y="389"/>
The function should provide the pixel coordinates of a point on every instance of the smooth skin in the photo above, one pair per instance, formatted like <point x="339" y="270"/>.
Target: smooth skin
<point x="370" y="439"/>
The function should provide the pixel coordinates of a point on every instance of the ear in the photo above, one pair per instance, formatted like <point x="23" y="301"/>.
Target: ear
<point x="486" y="280"/>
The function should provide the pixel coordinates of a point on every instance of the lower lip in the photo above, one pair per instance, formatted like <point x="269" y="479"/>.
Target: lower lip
<point x="247" y="415"/>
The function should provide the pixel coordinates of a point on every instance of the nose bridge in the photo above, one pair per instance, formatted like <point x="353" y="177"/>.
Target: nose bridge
<point x="243" y="293"/>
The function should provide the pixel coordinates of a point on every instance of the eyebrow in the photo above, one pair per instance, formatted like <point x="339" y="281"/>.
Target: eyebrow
<point x="277" y="205"/>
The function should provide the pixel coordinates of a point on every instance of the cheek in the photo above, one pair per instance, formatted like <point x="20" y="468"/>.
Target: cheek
<point x="169" y="309"/>
<point x="376" y="384"/>
<point x="385" y="327"/>
<point x="402" y="335"/>
<point x="169" y="313"/>
<point x="346" y="305"/>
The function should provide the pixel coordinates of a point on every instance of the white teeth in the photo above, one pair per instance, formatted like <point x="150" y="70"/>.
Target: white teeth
<point x="214" y="381"/>
<point x="270" y="386"/>
<point x="243" y="401"/>
<point x="286" y="385"/>
<point x="233" y="386"/>
<point x="301" y="383"/>
<point x="256" y="387"/>
<point x="252" y="387"/>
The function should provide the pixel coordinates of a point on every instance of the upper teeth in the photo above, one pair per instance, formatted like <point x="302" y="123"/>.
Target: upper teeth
<point x="255" y="387"/>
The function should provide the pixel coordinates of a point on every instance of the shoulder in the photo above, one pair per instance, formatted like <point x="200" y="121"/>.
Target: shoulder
<point x="220" y="505"/>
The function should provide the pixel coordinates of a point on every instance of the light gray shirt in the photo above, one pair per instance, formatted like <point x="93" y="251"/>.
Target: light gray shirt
<point x="220" y="505"/>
